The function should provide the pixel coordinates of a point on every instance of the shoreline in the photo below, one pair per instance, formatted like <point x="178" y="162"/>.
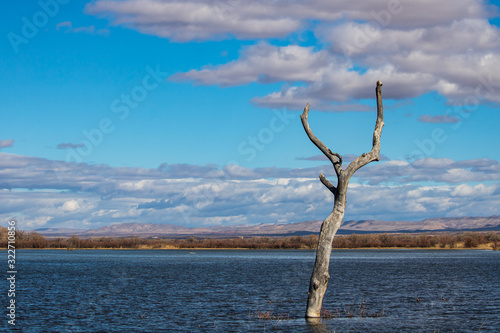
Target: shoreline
<point x="483" y="248"/>
<point x="445" y="241"/>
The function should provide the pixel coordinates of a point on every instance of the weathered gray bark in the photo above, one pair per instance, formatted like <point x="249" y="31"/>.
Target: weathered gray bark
<point x="331" y="224"/>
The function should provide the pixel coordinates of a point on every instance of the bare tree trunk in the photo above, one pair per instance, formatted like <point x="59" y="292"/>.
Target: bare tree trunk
<point x="320" y="275"/>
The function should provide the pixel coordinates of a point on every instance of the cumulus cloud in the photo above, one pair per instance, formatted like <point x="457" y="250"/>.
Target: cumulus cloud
<point x="441" y="119"/>
<point x="412" y="49"/>
<point x="198" y="20"/>
<point x="68" y="27"/>
<point x="370" y="202"/>
<point x="433" y="163"/>
<point x="330" y="82"/>
<point x="313" y="158"/>
<point x="479" y="190"/>
<point x="41" y="192"/>
<point x="69" y="145"/>
<point x="266" y="63"/>
<point x="469" y="44"/>
<point x="253" y="19"/>
<point x="439" y="170"/>
<point x="6" y="143"/>
<point x="70" y="206"/>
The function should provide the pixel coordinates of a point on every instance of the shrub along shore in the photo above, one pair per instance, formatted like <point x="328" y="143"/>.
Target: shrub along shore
<point x="465" y="240"/>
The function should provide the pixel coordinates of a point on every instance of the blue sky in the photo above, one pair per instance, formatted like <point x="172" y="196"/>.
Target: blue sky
<point x="186" y="112"/>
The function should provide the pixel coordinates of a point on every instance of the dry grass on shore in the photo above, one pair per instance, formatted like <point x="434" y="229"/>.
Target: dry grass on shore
<point x="466" y="240"/>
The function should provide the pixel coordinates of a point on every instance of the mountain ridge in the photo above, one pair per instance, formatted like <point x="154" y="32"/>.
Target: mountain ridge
<point x="491" y="223"/>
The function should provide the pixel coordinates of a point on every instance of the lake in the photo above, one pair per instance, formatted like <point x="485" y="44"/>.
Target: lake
<point x="222" y="290"/>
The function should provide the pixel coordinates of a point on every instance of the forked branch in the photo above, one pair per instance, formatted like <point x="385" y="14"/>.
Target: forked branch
<point x="373" y="155"/>
<point x="335" y="158"/>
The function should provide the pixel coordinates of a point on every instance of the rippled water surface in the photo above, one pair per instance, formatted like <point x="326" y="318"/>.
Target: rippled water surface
<point x="220" y="291"/>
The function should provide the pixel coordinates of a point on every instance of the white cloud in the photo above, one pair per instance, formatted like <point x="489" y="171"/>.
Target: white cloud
<point x="35" y="222"/>
<point x="236" y="171"/>
<point x="198" y="20"/>
<point x="413" y="47"/>
<point x="431" y="162"/>
<point x="84" y="196"/>
<point x="6" y="143"/>
<point x="68" y="27"/>
<point x="251" y="19"/>
<point x="440" y="119"/>
<point x="266" y="63"/>
<point x="469" y="44"/>
<point x="226" y="220"/>
<point x="412" y="55"/>
<point x="440" y="170"/>
<point x="70" y="206"/>
<point x="479" y="190"/>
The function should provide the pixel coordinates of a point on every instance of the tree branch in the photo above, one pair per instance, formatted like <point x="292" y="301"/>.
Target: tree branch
<point x="373" y="155"/>
<point x="335" y="158"/>
<point x="328" y="185"/>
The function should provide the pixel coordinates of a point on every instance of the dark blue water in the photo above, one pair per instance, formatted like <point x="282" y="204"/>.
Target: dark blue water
<point x="220" y="291"/>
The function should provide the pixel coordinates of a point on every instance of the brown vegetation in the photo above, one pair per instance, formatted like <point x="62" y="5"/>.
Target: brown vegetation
<point x="471" y="240"/>
<point x="270" y="316"/>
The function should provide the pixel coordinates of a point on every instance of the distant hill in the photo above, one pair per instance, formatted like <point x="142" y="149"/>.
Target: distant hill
<point x="433" y="224"/>
<point x="491" y="223"/>
<point x="59" y="232"/>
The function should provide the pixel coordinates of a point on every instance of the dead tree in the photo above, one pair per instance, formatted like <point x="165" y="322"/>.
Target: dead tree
<point x="331" y="224"/>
